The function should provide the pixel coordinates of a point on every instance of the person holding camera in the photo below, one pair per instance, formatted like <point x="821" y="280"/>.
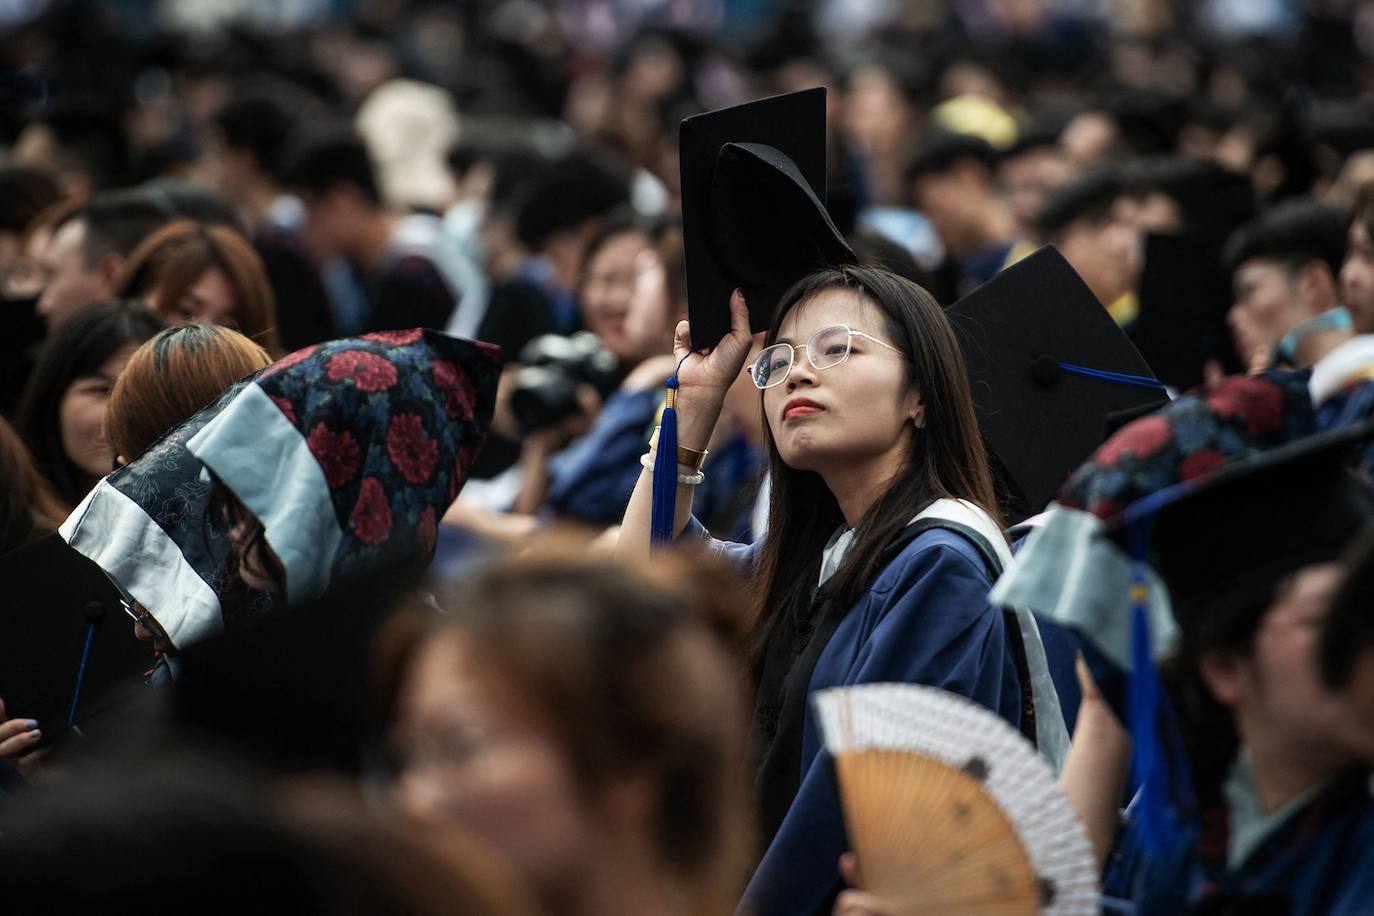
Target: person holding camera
<point x="633" y="295"/>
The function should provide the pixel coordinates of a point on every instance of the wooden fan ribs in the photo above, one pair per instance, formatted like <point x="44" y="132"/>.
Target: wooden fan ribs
<point x="949" y="809"/>
<point x="928" y="837"/>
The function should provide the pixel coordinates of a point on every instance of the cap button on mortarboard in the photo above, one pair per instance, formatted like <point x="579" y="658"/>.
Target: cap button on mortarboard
<point x="1046" y="370"/>
<point x="92" y="611"/>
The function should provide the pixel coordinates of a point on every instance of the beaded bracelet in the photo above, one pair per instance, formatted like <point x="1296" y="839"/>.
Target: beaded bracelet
<point x="646" y="461"/>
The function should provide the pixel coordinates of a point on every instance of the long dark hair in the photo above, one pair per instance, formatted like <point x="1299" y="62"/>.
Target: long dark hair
<point x="947" y="460"/>
<point x="1206" y="727"/>
<point x="82" y="344"/>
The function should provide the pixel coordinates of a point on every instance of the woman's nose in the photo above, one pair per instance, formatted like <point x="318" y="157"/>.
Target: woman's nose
<point x="802" y="373"/>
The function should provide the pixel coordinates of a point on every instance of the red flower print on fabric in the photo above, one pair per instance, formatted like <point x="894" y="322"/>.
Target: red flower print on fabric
<point x="399" y="338"/>
<point x="1259" y="401"/>
<point x="467" y="456"/>
<point x="371" y="514"/>
<point x="289" y="360"/>
<point x="1142" y="438"/>
<point x="368" y="371"/>
<point x="459" y="394"/>
<point x="285" y="407"/>
<point x="413" y="453"/>
<point x="339" y="456"/>
<point x="1104" y="509"/>
<point x="1200" y="463"/>
<point x="427" y="530"/>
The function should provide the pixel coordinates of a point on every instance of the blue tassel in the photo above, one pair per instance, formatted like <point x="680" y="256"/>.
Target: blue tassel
<point x="81" y="674"/>
<point x="1149" y="769"/>
<point x="1161" y="818"/>
<point x="665" y="472"/>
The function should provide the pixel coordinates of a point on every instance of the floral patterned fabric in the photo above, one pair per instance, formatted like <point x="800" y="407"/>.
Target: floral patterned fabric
<point x="394" y="421"/>
<point x="1191" y="437"/>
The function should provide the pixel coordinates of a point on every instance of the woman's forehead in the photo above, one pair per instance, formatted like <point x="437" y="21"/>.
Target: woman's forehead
<point x="830" y="307"/>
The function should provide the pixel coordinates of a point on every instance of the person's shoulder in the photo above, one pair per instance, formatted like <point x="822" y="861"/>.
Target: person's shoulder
<point x="932" y="552"/>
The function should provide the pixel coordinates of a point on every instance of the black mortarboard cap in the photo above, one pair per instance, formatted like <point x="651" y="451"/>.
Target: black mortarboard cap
<point x="1184" y="298"/>
<point x="54" y="600"/>
<point x="753" y="207"/>
<point x="1226" y="540"/>
<point x="1028" y="335"/>
<point x="1349" y="630"/>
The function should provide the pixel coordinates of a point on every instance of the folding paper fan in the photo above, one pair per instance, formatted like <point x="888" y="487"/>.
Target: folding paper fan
<point x="949" y="809"/>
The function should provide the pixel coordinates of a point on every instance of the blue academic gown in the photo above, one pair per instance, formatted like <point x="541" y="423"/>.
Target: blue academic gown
<point x="591" y="480"/>
<point x="924" y="620"/>
<point x="1319" y="862"/>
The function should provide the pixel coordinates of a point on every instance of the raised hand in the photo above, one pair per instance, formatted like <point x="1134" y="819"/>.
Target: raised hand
<point x="714" y="369"/>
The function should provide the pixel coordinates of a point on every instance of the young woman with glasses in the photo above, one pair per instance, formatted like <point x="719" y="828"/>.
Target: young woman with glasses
<point x="883" y="536"/>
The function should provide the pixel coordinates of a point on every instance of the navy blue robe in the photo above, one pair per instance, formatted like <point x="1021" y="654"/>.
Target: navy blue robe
<point x="1319" y="862"/>
<point x="924" y="620"/>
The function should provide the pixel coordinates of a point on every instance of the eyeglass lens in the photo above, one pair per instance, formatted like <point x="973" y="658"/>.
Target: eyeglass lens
<point x="827" y="347"/>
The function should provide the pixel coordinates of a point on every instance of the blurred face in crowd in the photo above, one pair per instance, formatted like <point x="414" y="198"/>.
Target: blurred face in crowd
<point x="81" y="417"/>
<point x="1357" y="277"/>
<point x="1105" y="252"/>
<point x="473" y="750"/>
<point x="209" y="300"/>
<point x="1275" y="689"/>
<point x="1158" y="214"/>
<point x="608" y="288"/>
<point x="69" y="282"/>
<point x="877" y="116"/>
<point x="951" y="200"/>
<point x="24" y="279"/>
<point x="333" y="220"/>
<point x="1088" y="139"/>
<point x="857" y="412"/>
<point x="1272" y="299"/>
<point x="1029" y="178"/>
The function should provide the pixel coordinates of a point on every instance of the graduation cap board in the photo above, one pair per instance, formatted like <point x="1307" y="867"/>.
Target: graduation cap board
<point x="753" y="207"/>
<point x="1047" y="367"/>
<point x="68" y="654"/>
<point x="1184" y="298"/>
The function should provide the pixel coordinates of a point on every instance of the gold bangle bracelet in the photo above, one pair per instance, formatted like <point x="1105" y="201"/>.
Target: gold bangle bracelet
<point x="687" y="457"/>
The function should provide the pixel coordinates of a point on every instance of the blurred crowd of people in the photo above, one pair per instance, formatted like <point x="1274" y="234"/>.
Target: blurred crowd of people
<point x="295" y="297"/>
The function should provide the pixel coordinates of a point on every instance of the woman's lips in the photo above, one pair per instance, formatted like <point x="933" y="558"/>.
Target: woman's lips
<point x="799" y="407"/>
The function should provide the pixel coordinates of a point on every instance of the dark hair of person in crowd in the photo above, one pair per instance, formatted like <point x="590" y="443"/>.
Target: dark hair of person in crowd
<point x="28" y="510"/>
<point x="877" y="250"/>
<point x="623" y="675"/>
<point x="259" y="121"/>
<point x="948" y="460"/>
<point x="1091" y="197"/>
<point x="226" y="842"/>
<point x="1293" y="234"/>
<point x="1210" y="201"/>
<point x="87" y="138"/>
<point x="569" y="193"/>
<point x="320" y="163"/>
<point x="166" y="269"/>
<point x="116" y="222"/>
<point x="186" y="200"/>
<point x="171" y="377"/>
<point x="942" y="150"/>
<point x="81" y="349"/>
<point x="25" y="192"/>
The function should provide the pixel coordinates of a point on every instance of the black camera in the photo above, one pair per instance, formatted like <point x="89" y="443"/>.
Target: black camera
<point x="545" y="389"/>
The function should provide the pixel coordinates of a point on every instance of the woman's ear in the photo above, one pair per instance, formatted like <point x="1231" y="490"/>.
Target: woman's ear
<point x="918" y="412"/>
<point x="1223" y="673"/>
